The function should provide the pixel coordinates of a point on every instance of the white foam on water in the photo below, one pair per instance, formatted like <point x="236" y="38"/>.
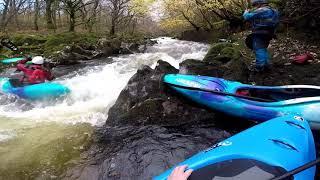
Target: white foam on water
<point x="96" y="90"/>
<point x="6" y="135"/>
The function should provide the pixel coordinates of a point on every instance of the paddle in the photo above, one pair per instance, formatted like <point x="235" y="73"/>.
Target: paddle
<point x="221" y="93"/>
<point x="298" y="170"/>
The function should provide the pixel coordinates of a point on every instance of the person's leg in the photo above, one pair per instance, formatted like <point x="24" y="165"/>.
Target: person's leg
<point x="15" y="82"/>
<point x="260" y="45"/>
<point x="262" y="58"/>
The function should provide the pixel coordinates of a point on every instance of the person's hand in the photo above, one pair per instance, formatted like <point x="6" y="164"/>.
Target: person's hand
<point x="179" y="173"/>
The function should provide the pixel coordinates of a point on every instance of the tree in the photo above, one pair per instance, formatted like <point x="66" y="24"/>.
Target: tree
<point x="89" y="15"/>
<point x="204" y="13"/>
<point x="50" y="24"/>
<point x="36" y="14"/>
<point x="11" y="10"/>
<point x="72" y="7"/>
<point x="117" y="10"/>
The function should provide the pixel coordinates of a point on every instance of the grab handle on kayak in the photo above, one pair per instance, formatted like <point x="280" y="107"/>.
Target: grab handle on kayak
<point x="284" y="143"/>
<point x="295" y="124"/>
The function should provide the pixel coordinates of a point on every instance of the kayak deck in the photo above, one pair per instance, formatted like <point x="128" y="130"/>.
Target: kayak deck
<point x="35" y="91"/>
<point x="258" y="103"/>
<point x="262" y="152"/>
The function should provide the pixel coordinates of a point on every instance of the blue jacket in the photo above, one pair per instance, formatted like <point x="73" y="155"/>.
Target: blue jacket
<point x="264" y="18"/>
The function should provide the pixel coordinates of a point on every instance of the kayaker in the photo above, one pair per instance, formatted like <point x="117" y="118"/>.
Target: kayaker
<point x="34" y="73"/>
<point x="264" y="21"/>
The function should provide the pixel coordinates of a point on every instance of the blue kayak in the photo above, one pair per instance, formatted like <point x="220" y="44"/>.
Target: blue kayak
<point x="262" y="152"/>
<point x="35" y="91"/>
<point x="258" y="103"/>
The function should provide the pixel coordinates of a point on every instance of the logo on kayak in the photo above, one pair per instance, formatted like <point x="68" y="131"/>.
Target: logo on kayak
<point x="189" y="83"/>
<point x="220" y="144"/>
<point x="298" y="118"/>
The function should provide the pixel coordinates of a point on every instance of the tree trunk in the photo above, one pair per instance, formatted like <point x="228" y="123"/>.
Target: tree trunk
<point x="60" y="20"/>
<point x="197" y="28"/>
<point x="4" y="15"/>
<point x="49" y="14"/>
<point x="54" y="14"/>
<point x="72" y="20"/>
<point x="93" y="18"/>
<point x="36" y="15"/>
<point x="113" y="26"/>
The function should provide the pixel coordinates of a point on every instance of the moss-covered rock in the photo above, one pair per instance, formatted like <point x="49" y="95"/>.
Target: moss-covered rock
<point x="25" y="40"/>
<point x="222" y="53"/>
<point x="227" y="54"/>
<point x="57" y="42"/>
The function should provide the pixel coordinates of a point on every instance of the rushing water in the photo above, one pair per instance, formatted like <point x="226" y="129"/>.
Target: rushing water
<point x="37" y="138"/>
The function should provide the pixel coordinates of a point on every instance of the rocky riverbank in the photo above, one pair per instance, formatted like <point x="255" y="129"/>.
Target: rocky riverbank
<point x="72" y="48"/>
<point x="150" y="128"/>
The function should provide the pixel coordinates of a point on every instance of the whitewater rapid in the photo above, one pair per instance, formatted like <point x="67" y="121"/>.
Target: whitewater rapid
<point x="94" y="89"/>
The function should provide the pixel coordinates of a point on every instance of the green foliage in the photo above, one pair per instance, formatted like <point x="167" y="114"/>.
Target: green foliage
<point x="23" y="39"/>
<point x="70" y="38"/>
<point x="132" y="38"/>
<point x="56" y="42"/>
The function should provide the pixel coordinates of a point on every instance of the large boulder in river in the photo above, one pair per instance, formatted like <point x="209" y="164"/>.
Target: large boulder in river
<point x="109" y="47"/>
<point x="144" y="102"/>
<point x="130" y="48"/>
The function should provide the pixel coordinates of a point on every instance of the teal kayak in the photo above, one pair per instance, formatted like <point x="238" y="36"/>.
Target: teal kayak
<point x="35" y="91"/>
<point x="12" y="60"/>
<point x="262" y="152"/>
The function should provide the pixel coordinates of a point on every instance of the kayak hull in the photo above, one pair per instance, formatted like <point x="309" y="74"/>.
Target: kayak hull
<point x="284" y="143"/>
<point x="307" y="107"/>
<point x="34" y="92"/>
<point x="12" y="60"/>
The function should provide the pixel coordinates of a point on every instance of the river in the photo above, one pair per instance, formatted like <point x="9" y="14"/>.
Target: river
<point x="39" y="139"/>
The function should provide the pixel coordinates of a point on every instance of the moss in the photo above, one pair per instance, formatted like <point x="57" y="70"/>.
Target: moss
<point x="131" y="38"/>
<point x="215" y="51"/>
<point x="22" y="39"/>
<point x="227" y="54"/>
<point x="56" y="42"/>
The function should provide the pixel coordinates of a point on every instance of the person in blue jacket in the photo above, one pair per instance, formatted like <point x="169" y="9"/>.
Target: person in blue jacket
<point x="264" y="20"/>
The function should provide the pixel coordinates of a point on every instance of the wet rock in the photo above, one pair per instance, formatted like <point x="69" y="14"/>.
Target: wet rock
<point x="144" y="102"/>
<point x="109" y="47"/>
<point x="74" y="53"/>
<point x="130" y="48"/>
<point x="143" y="152"/>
